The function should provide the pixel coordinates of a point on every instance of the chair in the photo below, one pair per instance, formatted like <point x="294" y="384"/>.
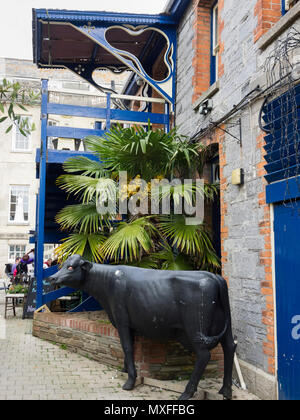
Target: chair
<point x="4" y="285"/>
<point x="11" y="301"/>
<point x="9" y="274"/>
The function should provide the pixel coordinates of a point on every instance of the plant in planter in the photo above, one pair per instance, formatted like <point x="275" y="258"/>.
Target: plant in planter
<point x="18" y="289"/>
<point x="145" y="240"/>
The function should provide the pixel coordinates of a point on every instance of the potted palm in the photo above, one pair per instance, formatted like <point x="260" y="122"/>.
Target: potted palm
<point x="149" y="240"/>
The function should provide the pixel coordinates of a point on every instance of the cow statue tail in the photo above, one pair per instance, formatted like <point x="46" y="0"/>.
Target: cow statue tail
<point x="210" y="341"/>
<point x="213" y="341"/>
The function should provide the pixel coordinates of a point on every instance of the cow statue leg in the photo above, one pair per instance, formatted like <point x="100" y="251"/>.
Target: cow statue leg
<point x="127" y="343"/>
<point x="229" y="348"/>
<point x="202" y="359"/>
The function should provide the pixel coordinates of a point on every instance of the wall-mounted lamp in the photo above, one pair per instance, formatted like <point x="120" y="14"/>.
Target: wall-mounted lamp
<point x="237" y="177"/>
<point x="206" y="107"/>
<point x="139" y="81"/>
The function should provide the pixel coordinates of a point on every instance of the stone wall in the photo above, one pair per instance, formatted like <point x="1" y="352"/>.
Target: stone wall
<point x="92" y="335"/>
<point x="246" y="219"/>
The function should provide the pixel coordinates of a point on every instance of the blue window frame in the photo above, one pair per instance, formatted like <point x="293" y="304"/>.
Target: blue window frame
<point x="283" y="7"/>
<point x="286" y="5"/>
<point x="214" y="45"/>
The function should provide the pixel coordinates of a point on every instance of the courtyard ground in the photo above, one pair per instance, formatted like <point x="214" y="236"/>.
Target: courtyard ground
<point x="34" y="369"/>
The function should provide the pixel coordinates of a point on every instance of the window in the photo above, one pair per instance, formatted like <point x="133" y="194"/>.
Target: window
<point x="19" y="204"/>
<point x="21" y="143"/>
<point x="287" y="5"/>
<point x="76" y="86"/>
<point x="214" y="44"/>
<point x="51" y="146"/>
<point x="15" y="251"/>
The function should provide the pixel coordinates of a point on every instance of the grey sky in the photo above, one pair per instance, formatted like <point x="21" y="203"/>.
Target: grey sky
<point x="16" y="18"/>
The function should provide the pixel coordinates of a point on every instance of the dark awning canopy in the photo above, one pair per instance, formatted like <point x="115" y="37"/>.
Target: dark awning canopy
<point x="63" y="44"/>
<point x="85" y="41"/>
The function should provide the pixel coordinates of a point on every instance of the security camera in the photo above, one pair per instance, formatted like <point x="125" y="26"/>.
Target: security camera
<point x="206" y="107"/>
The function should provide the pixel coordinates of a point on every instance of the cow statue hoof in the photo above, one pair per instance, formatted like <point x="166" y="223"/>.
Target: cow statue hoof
<point x="129" y="385"/>
<point x="186" y="396"/>
<point x="226" y="392"/>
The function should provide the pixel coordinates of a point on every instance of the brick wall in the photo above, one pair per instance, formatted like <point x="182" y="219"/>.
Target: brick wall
<point x="92" y="335"/>
<point x="268" y="12"/>
<point x="267" y="288"/>
<point x="201" y="47"/>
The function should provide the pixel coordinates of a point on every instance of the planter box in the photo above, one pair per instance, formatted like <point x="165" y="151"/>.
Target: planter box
<point x="92" y="335"/>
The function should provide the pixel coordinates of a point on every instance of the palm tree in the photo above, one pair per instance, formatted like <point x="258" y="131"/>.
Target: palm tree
<point x="154" y="241"/>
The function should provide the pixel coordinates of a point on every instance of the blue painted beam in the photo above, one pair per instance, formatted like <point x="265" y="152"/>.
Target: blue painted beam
<point x="50" y="271"/>
<point x="72" y="133"/>
<point x="76" y="111"/>
<point x="40" y="225"/>
<point x="101" y="113"/>
<point x="60" y="156"/>
<point x="283" y="191"/>
<point x="49" y="297"/>
<point x="104" y="17"/>
<point x="88" y="305"/>
<point x="139" y="117"/>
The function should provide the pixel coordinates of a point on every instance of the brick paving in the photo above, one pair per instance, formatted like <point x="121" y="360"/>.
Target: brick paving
<point x="33" y="369"/>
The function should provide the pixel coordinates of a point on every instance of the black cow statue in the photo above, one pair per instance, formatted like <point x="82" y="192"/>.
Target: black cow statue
<point x="191" y="307"/>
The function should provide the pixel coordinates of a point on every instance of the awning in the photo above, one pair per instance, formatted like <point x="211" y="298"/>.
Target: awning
<point x="86" y="41"/>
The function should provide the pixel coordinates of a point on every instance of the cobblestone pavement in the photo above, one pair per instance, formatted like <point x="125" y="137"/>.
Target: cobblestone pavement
<point x="34" y="369"/>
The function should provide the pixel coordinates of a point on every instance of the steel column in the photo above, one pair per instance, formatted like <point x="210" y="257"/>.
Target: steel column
<point x="40" y="234"/>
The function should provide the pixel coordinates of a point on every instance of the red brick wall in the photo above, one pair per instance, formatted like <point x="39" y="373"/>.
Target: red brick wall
<point x="201" y="46"/>
<point x="268" y="12"/>
<point x="268" y="317"/>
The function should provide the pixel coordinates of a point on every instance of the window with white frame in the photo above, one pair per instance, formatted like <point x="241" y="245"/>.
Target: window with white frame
<point x="288" y="4"/>
<point x="15" y="251"/>
<point x="51" y="123"/>
<point x="19" y="204"/>
<point x="22" y="143"/>
<point x="215" y="43"/>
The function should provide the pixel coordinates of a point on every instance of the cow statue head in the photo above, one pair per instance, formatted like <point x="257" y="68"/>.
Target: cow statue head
<point x="73" y="272"/>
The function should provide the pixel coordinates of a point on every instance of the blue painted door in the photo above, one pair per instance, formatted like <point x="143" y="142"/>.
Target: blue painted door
<point x="287" y="261"/>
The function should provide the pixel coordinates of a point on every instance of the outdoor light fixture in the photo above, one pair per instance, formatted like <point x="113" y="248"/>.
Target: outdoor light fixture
<point x="206" y="107"/>
<point x="237" y="177"/>
<point x="139" y="81"/>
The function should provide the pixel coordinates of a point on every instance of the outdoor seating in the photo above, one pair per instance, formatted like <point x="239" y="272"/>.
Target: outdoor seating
<point x="11" y="301"/>
<point x="8" y="271"/>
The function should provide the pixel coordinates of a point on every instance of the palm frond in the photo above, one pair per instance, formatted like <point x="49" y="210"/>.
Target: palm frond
<point x="134" y="150"/>
<point x="85" y="166"/>
<point x="82" y="217"/>
<point x="86" y="245"/>
<point x="189" y="239"/>
<point x="168" y="260"/>
<point x="87" y="188"/>
<point x="129" y="241"/>
<point x="183" y="192"/>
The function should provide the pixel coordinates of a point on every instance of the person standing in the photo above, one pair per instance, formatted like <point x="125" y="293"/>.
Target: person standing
<point x="14" y="266"/>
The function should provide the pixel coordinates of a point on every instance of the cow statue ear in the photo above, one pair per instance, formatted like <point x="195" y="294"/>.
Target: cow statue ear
<point x="86" y="265"/>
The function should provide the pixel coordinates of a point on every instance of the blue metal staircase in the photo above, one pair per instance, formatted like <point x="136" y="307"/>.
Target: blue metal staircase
<point x="50" y="198"/>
